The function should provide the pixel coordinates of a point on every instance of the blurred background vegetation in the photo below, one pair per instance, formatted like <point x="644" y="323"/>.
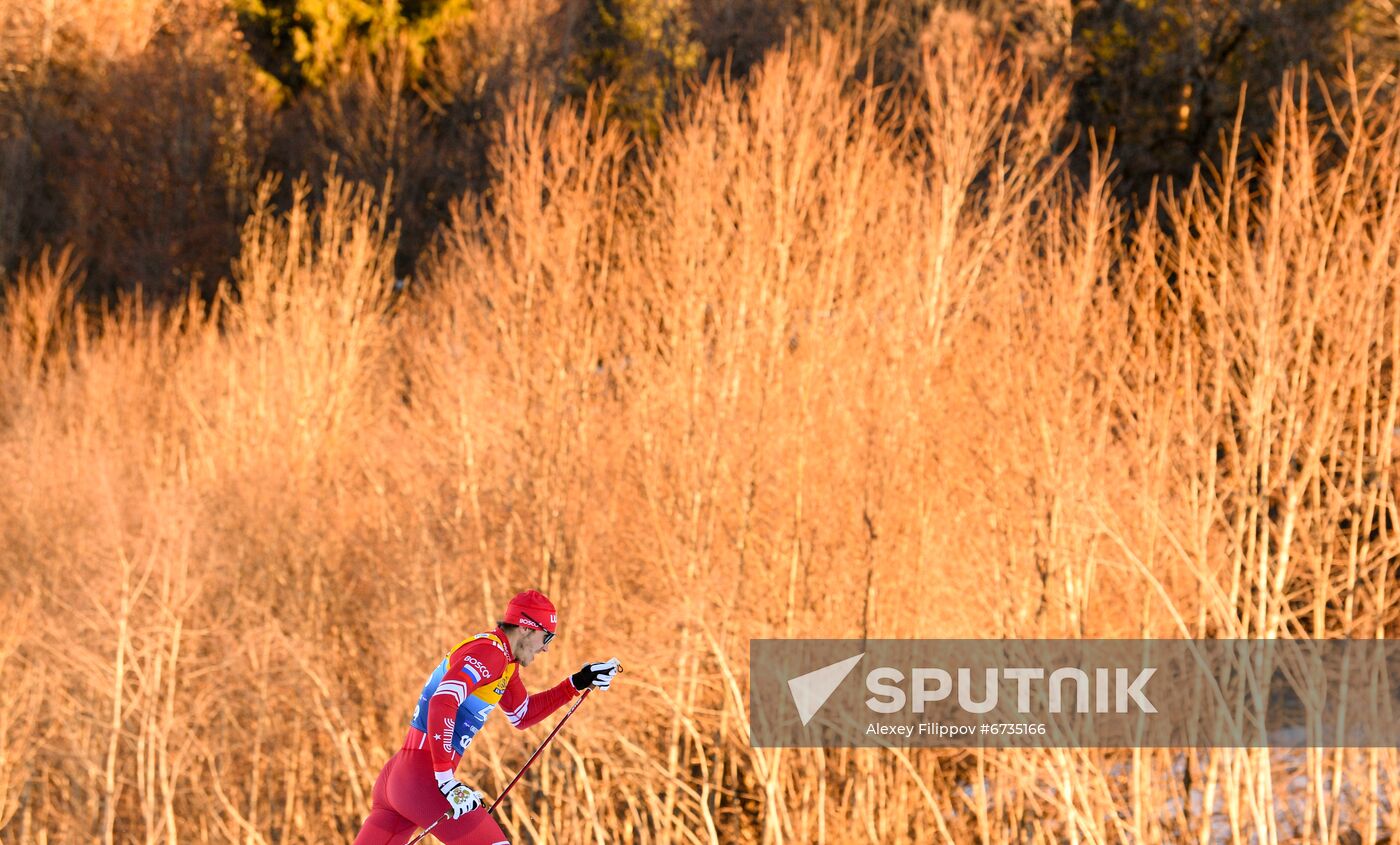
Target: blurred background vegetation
<point x="137" y="134"/>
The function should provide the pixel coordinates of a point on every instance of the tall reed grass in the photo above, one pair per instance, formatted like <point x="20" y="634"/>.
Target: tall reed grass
<point x="830" y="360"/>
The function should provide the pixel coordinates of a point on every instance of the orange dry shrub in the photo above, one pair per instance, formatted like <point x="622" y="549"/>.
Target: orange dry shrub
<point x="827" y="361"/>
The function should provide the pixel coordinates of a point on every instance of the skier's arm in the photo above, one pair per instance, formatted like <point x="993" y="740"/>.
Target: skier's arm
<point x="476" y="664"/>
<point x="524" y="710"/>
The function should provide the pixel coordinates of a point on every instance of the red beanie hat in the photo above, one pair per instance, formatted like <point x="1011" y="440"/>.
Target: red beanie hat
<point x="531" y="609"/>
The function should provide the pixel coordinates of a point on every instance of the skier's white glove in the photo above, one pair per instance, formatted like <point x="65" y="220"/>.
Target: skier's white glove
<point x="462" y="798"/>
<point x="597" y="675"/>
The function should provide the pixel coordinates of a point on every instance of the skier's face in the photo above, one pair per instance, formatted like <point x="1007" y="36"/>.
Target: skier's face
<point x="531" y="644"/>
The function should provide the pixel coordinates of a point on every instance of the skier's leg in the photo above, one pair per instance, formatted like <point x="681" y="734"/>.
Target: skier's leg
<point x="384" y="825"/>
<point x="412" y="792"/>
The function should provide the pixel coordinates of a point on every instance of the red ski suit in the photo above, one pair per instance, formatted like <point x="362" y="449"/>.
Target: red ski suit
<point x="466" y="686"/>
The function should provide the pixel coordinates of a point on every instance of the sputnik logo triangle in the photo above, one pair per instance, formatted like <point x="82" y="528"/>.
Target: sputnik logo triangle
<point x="810" y="691"/>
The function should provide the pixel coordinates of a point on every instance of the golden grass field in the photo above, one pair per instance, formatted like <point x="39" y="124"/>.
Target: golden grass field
<point x="826" y="361"/>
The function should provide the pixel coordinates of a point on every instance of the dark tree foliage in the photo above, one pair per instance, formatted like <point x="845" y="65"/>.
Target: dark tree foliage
<point x="1165" y="76"/>
<point x="301" y="43"/>
<point x="643" y="49"/>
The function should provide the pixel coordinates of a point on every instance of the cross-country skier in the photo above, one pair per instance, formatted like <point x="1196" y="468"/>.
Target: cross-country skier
<point x="419" y="785"/>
